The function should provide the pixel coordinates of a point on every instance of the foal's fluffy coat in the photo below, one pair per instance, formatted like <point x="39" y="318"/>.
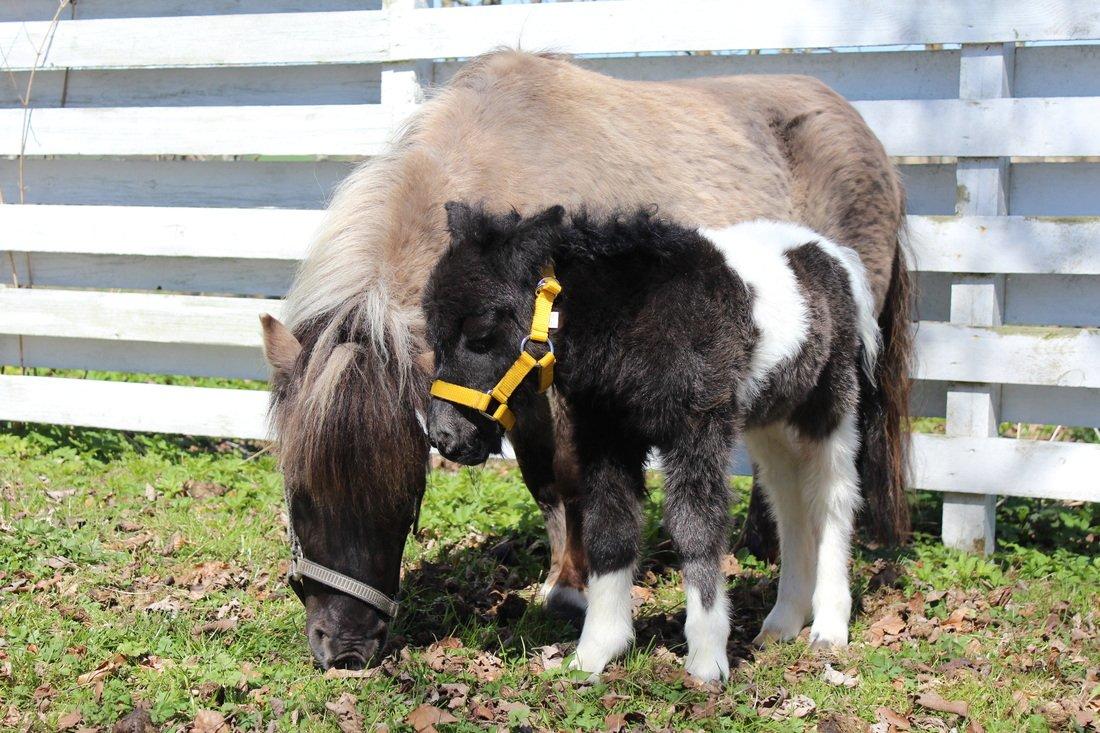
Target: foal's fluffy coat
<point x="684" y="341"/>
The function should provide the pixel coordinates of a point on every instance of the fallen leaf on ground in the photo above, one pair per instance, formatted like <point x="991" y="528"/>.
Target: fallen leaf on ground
<point x="426" y="717"/>
<point x="891" y="718"/>
<point x="614" y="722"/>
<point x="102" y="670"/>
<point x="347" y="713"/>
<point x="215" y="627"/>
<point x="69" y="720"/>
<point x="209" y="721"/>
<point x="138" y="721"/>
<point x="203" y="489"/>
<point x="59" y="495"/>
<point x="836" y="678"/>
<point x="934" y="701"/>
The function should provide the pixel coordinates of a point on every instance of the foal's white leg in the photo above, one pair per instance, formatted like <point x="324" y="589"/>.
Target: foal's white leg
<point x="774" y="451"/>
<point x="608" y="626"/>
<point x="832" y="493"/>
<point x="707" y="629"/>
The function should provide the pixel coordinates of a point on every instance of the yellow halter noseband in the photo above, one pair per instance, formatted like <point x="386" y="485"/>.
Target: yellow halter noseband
<point x="545" y="292"/>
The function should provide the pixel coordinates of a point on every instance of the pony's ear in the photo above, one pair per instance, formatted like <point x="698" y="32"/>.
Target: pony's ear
<point x="280" y="347"/>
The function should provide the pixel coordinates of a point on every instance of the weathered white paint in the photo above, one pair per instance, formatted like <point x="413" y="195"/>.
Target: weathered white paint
<point x="613" y="26"/>
<point x="1006" y="466"/>
<point x="1064" y="357"/>
<point x="964" y="244"/>
<point x="165" y="319"/>
<point x="336" y="129"/>
<point x="985" y="72"/>
<point x="924" y="127"/>
<point x="232" y="81"/>
<point x="131" y="406"/>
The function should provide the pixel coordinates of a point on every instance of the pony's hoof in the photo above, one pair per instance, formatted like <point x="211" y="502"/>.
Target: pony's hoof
<point x="782" y="624"/>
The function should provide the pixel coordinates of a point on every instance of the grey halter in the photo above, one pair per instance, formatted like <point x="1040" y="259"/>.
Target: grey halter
<point x="300" y="568"/>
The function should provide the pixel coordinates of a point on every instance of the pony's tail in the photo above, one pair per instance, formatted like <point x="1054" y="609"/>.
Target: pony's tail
<point x="884" y="415"/>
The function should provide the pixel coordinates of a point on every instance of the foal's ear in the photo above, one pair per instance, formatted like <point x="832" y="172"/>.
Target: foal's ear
<point x="280" y="347"/>
<point x="465" y="222"/>
<point x="549" y="217"/>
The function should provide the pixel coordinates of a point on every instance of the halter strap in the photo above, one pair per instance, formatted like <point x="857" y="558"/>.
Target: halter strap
<point x="300" y="568"/>
<point x="494" y="402"/>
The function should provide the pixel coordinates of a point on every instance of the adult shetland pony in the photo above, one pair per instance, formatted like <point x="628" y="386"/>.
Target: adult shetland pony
<point x="524" y="131"/>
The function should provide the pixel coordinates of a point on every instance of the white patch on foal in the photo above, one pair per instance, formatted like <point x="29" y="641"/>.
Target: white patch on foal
<point x="755" y="252"/>
<point x="608" y="626"/>
<point x="707" y="630"/>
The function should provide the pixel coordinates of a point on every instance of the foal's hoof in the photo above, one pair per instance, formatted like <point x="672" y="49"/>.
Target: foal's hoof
<point x="824" y="639"/>
<point x="709" y="669"/>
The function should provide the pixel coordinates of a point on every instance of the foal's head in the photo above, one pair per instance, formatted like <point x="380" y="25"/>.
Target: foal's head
<point x="478" y="304"/>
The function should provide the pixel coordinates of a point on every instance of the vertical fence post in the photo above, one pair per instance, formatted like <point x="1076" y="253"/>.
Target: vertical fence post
<point x="969" y="520"/>
<point x="403" y="83"/>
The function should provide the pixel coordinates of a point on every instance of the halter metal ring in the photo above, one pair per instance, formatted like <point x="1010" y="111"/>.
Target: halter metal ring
<point x="526" y="339"/>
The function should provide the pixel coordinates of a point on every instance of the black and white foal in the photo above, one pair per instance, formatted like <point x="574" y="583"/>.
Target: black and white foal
<point x="680" y="340"/>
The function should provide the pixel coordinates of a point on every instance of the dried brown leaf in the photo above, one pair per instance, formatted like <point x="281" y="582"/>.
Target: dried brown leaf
<point x="137" y="721"/>
<point x="69" y="720"/>
<point x="428" y="716"/>
<point x="203" y="489"/>
<point x="347" y="713"/>
<point x="934" y="701"/>
<point x="209" y="721"/>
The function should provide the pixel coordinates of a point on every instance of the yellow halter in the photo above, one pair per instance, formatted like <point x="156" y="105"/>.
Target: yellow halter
<point x="545" y="292"/>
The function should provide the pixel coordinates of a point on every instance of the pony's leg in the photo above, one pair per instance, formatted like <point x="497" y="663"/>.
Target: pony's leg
<point x="612" y="526"/>
<point x="697" y="517"/>
<point x="832" y="493"/>
<point x="549" y="471"/>
<point x="774" y="451"/>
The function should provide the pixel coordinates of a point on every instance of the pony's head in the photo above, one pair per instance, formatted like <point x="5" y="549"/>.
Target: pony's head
<point x="478" y="305"/>
<point x="353" y="457"/>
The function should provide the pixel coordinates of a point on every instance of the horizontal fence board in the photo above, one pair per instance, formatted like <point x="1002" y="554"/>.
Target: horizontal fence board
<point x="156" y="318"/>
<point x="1058" y="126"/>
<point x="969" y="465"/>
<point x="294" y="85"/>
<point x="928" y="127"/>
<point x="1040" y="300"/>
<point x="1057" y="71"/>
<point x="151" y="231"/>
<point x="619" y="26"/>
<point x="135" y="357"/>
<point x="1055" y="189"/>
<point x="208" y="183"/>
<point x="354" y="130"/>
<point x="1064" y="357"/>
<point x="999" y="244"/>
<point x="1027" y="403"/>
<point x="208" y="275"/>
<point x="1007" y="467"/>
<point x="23" y="10"/>
<point x="977" y="244"/>
<point x="235" y="413"/>
<point x="864" y="75"/>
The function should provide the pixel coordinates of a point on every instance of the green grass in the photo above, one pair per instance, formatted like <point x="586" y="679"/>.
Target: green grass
<point x="106" y="560"/>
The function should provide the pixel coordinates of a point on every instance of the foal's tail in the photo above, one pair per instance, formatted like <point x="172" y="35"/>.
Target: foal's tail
<point x="884" y="415"/>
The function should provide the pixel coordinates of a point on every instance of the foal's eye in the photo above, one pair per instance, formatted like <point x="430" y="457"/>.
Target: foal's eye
<point x="478" y="332"/>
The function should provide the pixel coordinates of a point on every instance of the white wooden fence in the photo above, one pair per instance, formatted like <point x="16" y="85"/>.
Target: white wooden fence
<point x="190" y="150"/>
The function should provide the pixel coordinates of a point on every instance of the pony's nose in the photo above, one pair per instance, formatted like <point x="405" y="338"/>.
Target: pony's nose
<point x="352" y="651"/>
